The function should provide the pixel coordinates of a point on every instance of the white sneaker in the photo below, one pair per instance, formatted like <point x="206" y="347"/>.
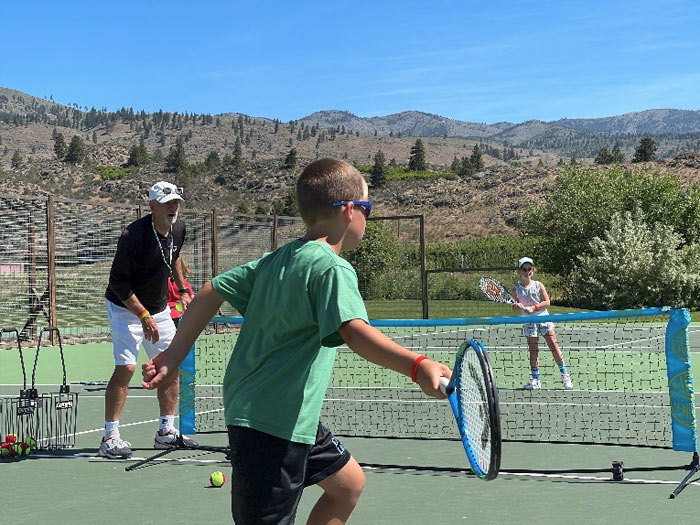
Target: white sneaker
<point x="114" y="448"/>
<point x="532" y="384"/>
<point x="171" y="439"/>
<point x="566" y="381"/>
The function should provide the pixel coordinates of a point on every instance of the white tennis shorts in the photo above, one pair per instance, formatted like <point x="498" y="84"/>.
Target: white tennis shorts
<point x="535" y="329"/>
<point x="127" y="334"/>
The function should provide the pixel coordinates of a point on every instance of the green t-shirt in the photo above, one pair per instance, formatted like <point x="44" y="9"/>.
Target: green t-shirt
<point x="293" y="301"/>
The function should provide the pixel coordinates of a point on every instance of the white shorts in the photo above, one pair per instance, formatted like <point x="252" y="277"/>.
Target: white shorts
<point x="127" y="334"/>
<point x="535" y="329"/>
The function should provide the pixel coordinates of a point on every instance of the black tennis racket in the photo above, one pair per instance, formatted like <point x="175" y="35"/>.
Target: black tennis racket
<point x="474" y="400"/>
<point x="495" y="291"/>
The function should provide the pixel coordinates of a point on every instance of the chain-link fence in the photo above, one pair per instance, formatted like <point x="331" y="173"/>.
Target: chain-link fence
<point x="56" y="255"/>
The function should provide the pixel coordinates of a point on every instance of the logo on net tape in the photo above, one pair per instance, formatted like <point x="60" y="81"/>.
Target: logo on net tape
<point x="681" y="393"/>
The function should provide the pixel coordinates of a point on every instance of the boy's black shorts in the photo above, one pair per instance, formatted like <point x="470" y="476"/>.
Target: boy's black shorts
<point x="269" y="473"/>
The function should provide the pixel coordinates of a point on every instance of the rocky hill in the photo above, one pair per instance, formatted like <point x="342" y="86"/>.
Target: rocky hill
<point x="489" y="203"/>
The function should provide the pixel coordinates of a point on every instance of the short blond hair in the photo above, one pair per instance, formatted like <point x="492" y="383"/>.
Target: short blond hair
<point x="324" y="182"/>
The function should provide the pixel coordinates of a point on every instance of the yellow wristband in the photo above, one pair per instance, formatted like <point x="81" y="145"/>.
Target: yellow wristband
<point x="145" y="313"/>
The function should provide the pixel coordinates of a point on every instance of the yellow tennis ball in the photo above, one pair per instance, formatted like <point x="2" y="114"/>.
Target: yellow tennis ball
<point x="217" y="479"/>
<point x="178" y="307"/>
<point x="5" y="449"/>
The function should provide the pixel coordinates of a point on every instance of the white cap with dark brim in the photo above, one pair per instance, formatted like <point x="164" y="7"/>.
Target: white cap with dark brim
<point x="163" y="192"/>
<point x="524" y="260"/>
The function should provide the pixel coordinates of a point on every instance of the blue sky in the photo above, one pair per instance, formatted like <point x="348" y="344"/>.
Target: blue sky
<point x="476" y="61"/>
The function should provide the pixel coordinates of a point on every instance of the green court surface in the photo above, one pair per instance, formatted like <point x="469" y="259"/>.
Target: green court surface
<point x="408" y="481"/>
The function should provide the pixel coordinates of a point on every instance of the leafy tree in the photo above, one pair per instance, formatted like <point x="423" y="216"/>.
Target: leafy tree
<point x="59" y="146"/>
<point x="417" y="160"/>
<point x="377" y="256"/>
<point x="16" y="161"/>
<point x="290" y="161"/>
<point x="582" y="201"/>
<point x="76" y="150"/>
<point x="475" y="159"/>
<point x="379" y="169"/>
<point x="634" y="265"/>
<point x="645" y="151"/>
<point x="176" y="159"/>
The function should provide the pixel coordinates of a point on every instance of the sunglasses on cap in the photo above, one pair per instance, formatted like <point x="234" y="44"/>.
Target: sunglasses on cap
<point x="168" y="190"/>
<point x="365" y="205"/>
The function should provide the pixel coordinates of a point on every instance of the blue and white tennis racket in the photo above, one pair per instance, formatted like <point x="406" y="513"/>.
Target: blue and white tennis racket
<point x="474" y="399"/>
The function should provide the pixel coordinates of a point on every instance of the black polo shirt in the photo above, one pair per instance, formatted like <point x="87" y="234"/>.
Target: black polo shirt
<point x="138" y="266"/>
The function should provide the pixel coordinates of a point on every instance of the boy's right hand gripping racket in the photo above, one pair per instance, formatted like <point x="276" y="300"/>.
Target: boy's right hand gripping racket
<point x="474" y="399"/>
<point x="495" y="291"/>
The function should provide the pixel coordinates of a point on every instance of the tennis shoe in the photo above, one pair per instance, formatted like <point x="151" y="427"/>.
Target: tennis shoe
<point x="172" y="439"/>
<point x="566" y="381"/>
<point x="533" y="384"/>
<point x="114" y="448"/>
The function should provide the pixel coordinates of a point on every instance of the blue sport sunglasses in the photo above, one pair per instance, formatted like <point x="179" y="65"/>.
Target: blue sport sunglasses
<point x="365" y="205"/>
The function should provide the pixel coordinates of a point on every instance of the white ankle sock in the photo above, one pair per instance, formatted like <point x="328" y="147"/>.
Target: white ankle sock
<point x="111" y="429"/>
<point x="166" y="423"/>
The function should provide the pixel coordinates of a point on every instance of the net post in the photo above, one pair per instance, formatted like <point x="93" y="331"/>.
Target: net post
<point x="187" y="394"/>
<point x="680" y="381"/>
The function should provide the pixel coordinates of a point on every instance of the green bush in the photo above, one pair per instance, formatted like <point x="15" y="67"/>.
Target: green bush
<point x="636" y="265"/>
<point x="111" y="172"/>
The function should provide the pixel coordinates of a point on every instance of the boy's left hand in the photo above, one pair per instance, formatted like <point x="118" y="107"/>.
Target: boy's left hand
<point x="428" y="377"/>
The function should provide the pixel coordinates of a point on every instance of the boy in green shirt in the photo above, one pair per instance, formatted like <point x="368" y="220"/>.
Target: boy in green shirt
<point x="299" y="303"/>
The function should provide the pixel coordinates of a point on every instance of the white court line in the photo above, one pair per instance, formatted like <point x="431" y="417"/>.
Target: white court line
<point x="553" y="476"/>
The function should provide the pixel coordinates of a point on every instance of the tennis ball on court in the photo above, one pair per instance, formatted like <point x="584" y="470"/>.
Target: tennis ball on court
<point x="5" y="449"/>
<point x="31" y="442"/>
<point x="11" y="438"/>
<point x="21" y="449"/>
<point x="217" y="479"/>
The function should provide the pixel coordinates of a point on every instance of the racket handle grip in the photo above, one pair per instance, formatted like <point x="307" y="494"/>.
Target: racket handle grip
<point x="443" y="384"/>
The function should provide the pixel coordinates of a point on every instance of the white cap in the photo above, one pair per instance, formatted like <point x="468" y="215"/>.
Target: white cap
<point x="164" y="192"/>
<point x="524" y="260"/>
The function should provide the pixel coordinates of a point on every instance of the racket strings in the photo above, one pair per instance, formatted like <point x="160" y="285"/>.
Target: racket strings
<point x="494" y="290"/>
<point x="475" y="411"/>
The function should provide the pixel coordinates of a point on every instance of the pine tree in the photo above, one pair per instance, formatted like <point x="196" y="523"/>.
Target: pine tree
<point x="59" y="146"/>
<point x="237" y="161"/>
<point x="290" y="161"/>
<point x="176" y="158"/>
<point x="454" y="167"/>
<point x="645" y="151"/>
<point x="138" y="155"/>
<point x="475" y="159"/>
<point x="604" y="156"/>
<point x="378" y="174"/>
<point x="212" y="161"/>
<point x="16" y="161"/>
<point x="617" y="156"/>
<point x="76" y="150"/>
<point x="417" y="160"/>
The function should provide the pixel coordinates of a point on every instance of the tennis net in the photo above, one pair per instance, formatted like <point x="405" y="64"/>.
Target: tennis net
<point x="631" y="372"/>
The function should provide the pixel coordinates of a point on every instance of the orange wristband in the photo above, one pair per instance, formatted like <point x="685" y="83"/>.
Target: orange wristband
<point x="144" y="313"/>
<point x="537" y="306"/>
<point x="414" y="371"/>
